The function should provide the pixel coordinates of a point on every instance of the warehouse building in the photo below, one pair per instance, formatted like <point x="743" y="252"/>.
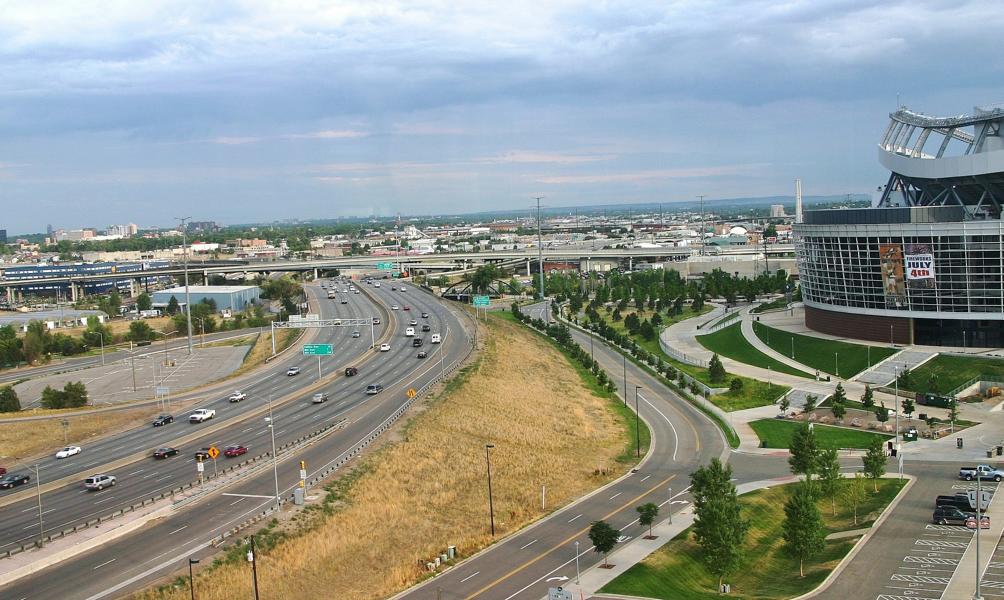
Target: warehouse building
<point x="233" y="297"/>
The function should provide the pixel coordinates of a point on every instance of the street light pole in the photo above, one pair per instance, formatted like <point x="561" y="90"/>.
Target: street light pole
<point x="188" y="297"/>
<point x="275" y="460"/>
<point x="624" y="356"/>
<point x="191" y="576"/>
<point x="979" y="490"/>
<point x="576" y="562"/>
<point x="253" y="559"/>
<point x="38" y="493"/>
<point x="491" y="504"/>
<point x="896" y="371"/>
<point x="102" y="338"/>
<point x="836" y="365"/>
<point x="540" y="257"/>
<point x="637" y="422"/>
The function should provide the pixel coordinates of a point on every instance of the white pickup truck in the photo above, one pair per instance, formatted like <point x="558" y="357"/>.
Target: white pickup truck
<point x="982" y="472"/>
<point x="201" y="414"/>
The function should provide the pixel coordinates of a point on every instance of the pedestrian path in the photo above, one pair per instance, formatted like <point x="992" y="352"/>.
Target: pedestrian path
<point x="756" y="342"/>
<point x="885" y="372"/>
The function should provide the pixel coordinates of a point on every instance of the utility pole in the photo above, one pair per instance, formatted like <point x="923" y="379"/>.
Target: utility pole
<point x="637" y="423"/>
<point x="491" y="504"/>
<point x="979" y="518"/>
<point x="253" y="559"/>
<point x="38" y="493"/>
<point x="188" y="297"/>
<point x="540" y="258"/>
<point x="702" y="224"/>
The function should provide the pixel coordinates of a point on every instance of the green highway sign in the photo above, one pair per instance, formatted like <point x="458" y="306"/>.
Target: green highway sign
<point x="480" y="300"/>
<point x="318" y="349"/>
<point x="385" y="266"/>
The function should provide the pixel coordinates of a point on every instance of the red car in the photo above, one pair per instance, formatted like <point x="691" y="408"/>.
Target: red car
<point x="232" y="451"/>
<point x="406" y="307"/>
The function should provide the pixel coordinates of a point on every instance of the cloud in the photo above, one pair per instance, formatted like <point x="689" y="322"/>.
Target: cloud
<point x="532" y="157"/>
<point x="638" y="176"/>
<point x="327" y="134"/>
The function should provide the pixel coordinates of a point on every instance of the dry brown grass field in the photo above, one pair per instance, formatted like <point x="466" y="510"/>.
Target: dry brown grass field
<point x="262" y="349"/>
<point x="428" y="490"/>
<point x="121" y="326"/>
<point x="28" y="438"/>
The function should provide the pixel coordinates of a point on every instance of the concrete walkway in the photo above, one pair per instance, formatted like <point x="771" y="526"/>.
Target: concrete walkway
<point x="886" y="371"/>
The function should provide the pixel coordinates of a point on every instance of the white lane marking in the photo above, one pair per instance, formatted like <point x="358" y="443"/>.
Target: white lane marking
<point x="615" y="495"/>
<point x="246" y="430"/>
<point x="528" y="545"/>
<point x="135" y="472"/>
<point x="105" y="563"/>
<point x="644" y="478"/>
<point x="469" y="576"/>
<point x="676" y="436"/>
<point x="178" y="529"/>
<point x="238" y="500"/>
<point x="105" y="499"/>
<point x="247" y="495"/>
<point x="149" y="476"/>
<point x="575" y="517"/>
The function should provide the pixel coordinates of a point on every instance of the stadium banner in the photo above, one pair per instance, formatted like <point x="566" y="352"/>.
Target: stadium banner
<point x="893" y="280"/>
<point x="919" y="266"/>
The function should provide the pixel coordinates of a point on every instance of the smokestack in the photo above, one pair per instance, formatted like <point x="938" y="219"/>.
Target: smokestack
<point x="798" y="200"/>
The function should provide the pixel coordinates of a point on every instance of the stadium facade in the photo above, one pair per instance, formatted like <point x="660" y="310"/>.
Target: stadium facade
<point x="924" y="265"/>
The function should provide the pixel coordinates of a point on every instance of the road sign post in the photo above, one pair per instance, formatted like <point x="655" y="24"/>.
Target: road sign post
<point x="385" y="266"/>
<point x="412" y="393"/>
<point x="318" y="350"/>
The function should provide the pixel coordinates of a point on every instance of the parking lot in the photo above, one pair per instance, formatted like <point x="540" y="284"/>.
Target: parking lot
<point x="992" y="584"/>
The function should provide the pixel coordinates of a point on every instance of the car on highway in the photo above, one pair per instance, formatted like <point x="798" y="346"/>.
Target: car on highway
<point x="237" y="396"/>
<point x="201" y="414"/>
<point x="356" y="334"/>
<point x="232" y="451"/>
<point x="292" y="371"/>
<point x="422" y="354"/>
<point x="417" y="342"/>
<point x="425" y="315"/>
<point x="162" y="420"/>
<point x="436" y="339"/>
<point x="99" y="481"/>
<point x="345" y="300"/>
<point x="202" y="453"/>
<point x="406" y="307"/>
<point x="384" y="347"/>
<point x="320" y="398"/>
<point x="404" y="289"/>
<point x="373" y="388"/>
<point x="413" y="322"/>
<point x="68" y="452"/>
<point x="376" y="284"/>
<point x="395" y="307"/>
<point x="14" y="480"/>
<point x="165" y="452"/>
<point x="409" y="332"/>
<point x="426" y="327"/>
<point x="351" y="371"/>
<point x="376" y="320"/>
<point x="393" y="288"/>
<point x="3" y="470"/>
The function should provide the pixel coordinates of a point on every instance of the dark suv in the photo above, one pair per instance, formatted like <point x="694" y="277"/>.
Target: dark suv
<point x="959" y="501"/>
<point x="162" y="420"/>
<point x="949" y="515"/>
<point x="417" y="342"/>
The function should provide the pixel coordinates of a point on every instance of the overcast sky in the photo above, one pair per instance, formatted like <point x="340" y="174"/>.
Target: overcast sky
<point x="242" y="111"/>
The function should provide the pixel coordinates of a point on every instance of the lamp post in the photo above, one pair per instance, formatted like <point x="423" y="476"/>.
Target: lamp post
<point x="576" y="562"/>
<point x="191" y="576"/>
<point x="102" y="338"/>
<point x="202" y="325"/>
<point x="275" y="460"/>
<point x="979" y="494"/>
<point x="624" y="356"/>
<point x="253" y="559"/>
<point x="896" y="371"/>
<point x="836" y="365"/>
<point x="637" y="423"/>
<point x="491" y="505"/>
<point x="38" y="494"/>
<point x="792" y="347"/>
<point x="188" y="298"/>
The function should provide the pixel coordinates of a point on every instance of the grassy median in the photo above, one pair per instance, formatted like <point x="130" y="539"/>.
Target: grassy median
<point x="731" y="342"/>
<point x="776" y="433"/>
<point x="675" y="571"/>
<point x="427" y="490"/>
<point x="823" y="354"/>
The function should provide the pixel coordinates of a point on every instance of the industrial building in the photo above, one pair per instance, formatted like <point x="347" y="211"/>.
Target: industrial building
<point x="924" y="265"/>
<point x="27" y="273"/>
<point x="233" y="297"/>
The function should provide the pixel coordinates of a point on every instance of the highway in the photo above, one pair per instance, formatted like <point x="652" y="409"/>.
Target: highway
<point x="163" y="544"/>
<point x="520" y="565"/>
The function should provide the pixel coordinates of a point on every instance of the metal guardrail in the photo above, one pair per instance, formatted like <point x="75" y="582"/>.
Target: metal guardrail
<point x="723" y="322"/>
<point x="681" y="356"/>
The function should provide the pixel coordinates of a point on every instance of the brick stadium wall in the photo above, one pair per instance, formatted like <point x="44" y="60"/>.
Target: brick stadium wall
<point x="862" y="327"/>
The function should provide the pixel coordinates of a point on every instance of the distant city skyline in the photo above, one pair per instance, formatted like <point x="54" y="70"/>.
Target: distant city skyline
<point x="241" y="112"/>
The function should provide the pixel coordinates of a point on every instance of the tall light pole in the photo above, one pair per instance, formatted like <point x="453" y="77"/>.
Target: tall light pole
<point x="702" y="223"/>
<point x="253" y="559"/>
<point x="188" y="297"/>
<point x="540" y="258"/>
<point x="979" y="493"/>
<point x="836" y="365"/>
<point x="275" y="460"/>
<point x="191" y="576"/>
<point x="491" y="504"/>
<point x="576" y="562"/>
<point x="38" y="494"/>
<point x="624" y="356"/>
<point x="102" y="338"/>
<point x="637" y="423"/>
<point x="896" y="371"/>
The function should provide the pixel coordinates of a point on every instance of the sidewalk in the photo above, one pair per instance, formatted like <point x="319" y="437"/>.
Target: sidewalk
<point x="963" y="583"/>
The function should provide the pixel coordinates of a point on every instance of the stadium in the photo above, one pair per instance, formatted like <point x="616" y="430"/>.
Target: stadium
<point x="924" y="265"/>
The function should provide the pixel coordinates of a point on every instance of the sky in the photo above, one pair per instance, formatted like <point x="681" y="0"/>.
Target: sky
<point x="238" y="112"/>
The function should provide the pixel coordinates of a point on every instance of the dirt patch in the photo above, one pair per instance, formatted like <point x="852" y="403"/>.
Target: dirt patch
<point x="29" y="438"/>
<point x="410" y="500"/>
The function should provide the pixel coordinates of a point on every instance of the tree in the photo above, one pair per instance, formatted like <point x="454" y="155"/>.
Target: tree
<point x="839" y="395"/>
<point x="736" y="385"/>
<point x="144" y="302"/>
<point x="716" y="370"/>
<point x="173" y="306"/>
<point x="810" y="403"/>
<point x="907" y="406"/>
<point x="868" y="399"/>
<point x="646" y="515"/>
<point x="804" y="451"/>
<point x="838" y="409"/>
<point x="603" y="537"/>
<point x="52" y="398"/>
<point x="784" y="404"/>
<point x="139" y="331"/>
<point x="953" y="411"/>
<point x="10" y="346"/>
<point x="874" y="461"/>
<point x="882" y="413"/>
<point x="830" y="481"/>
<point x="74" y="394"/>
<point x="804" y="534"/>
<point x="97" y="334"/>
<point x="854" y="493"/>
<point x="718" y="526"/>
<point x="905" y="380"/>
<point x="9" y="401"/>
<point x="35" y="342"/>
<point x="647" y="331"/>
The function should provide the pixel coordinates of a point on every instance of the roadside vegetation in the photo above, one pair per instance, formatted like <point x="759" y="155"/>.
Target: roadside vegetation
<point x="411" y="499"/>
<point x="731" y="342"/>
<point x="822" y="354"/>
<point x="777" y="433"/>
<point x="262" y="348"/>
<point x="24" y="439"/>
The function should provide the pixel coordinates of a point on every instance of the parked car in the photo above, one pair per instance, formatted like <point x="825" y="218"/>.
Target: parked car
<point x="949" y="515"/>
<point x="202" y="453"/>
<point x="201" y="414"/>
<point x="373" y="388"/>
<point x="320" y="398"/>
<point x="162" y="420"/>
<point x="292" y="371"/>
<point x="422" y="354"/>
<point x="99" y="482"/>
<point x="14" y="480"/>
<point x="981" y="471"/>
<point x="68" y="452"/>
<point x="384" y="347"/>
<point x="239" y="395"/>
<point x="351" y="371"/>
<point x="426" y="328"/>
<point x="165" y="452"/>
<point x="962" y="502"/>
<point x="232" y="451"/>
<point x="436" y="339"/>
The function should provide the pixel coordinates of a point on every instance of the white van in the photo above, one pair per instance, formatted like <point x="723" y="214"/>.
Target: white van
<point x="409" y="332"/>
<point x="436" y="339"/>
<point x="376" y="284"/>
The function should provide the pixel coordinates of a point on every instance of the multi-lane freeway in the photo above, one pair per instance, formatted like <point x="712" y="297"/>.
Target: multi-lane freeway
<point x="157" y="549"/>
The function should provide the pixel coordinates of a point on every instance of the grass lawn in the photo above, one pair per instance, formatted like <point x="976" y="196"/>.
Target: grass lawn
<point x="952" y="371"/>
<point x="825" y="355"/>
<point x="676" y="571"/>
<point x="773" y="304"/>
<point x="776" y="433"/>
<point x="731" y="342"/>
